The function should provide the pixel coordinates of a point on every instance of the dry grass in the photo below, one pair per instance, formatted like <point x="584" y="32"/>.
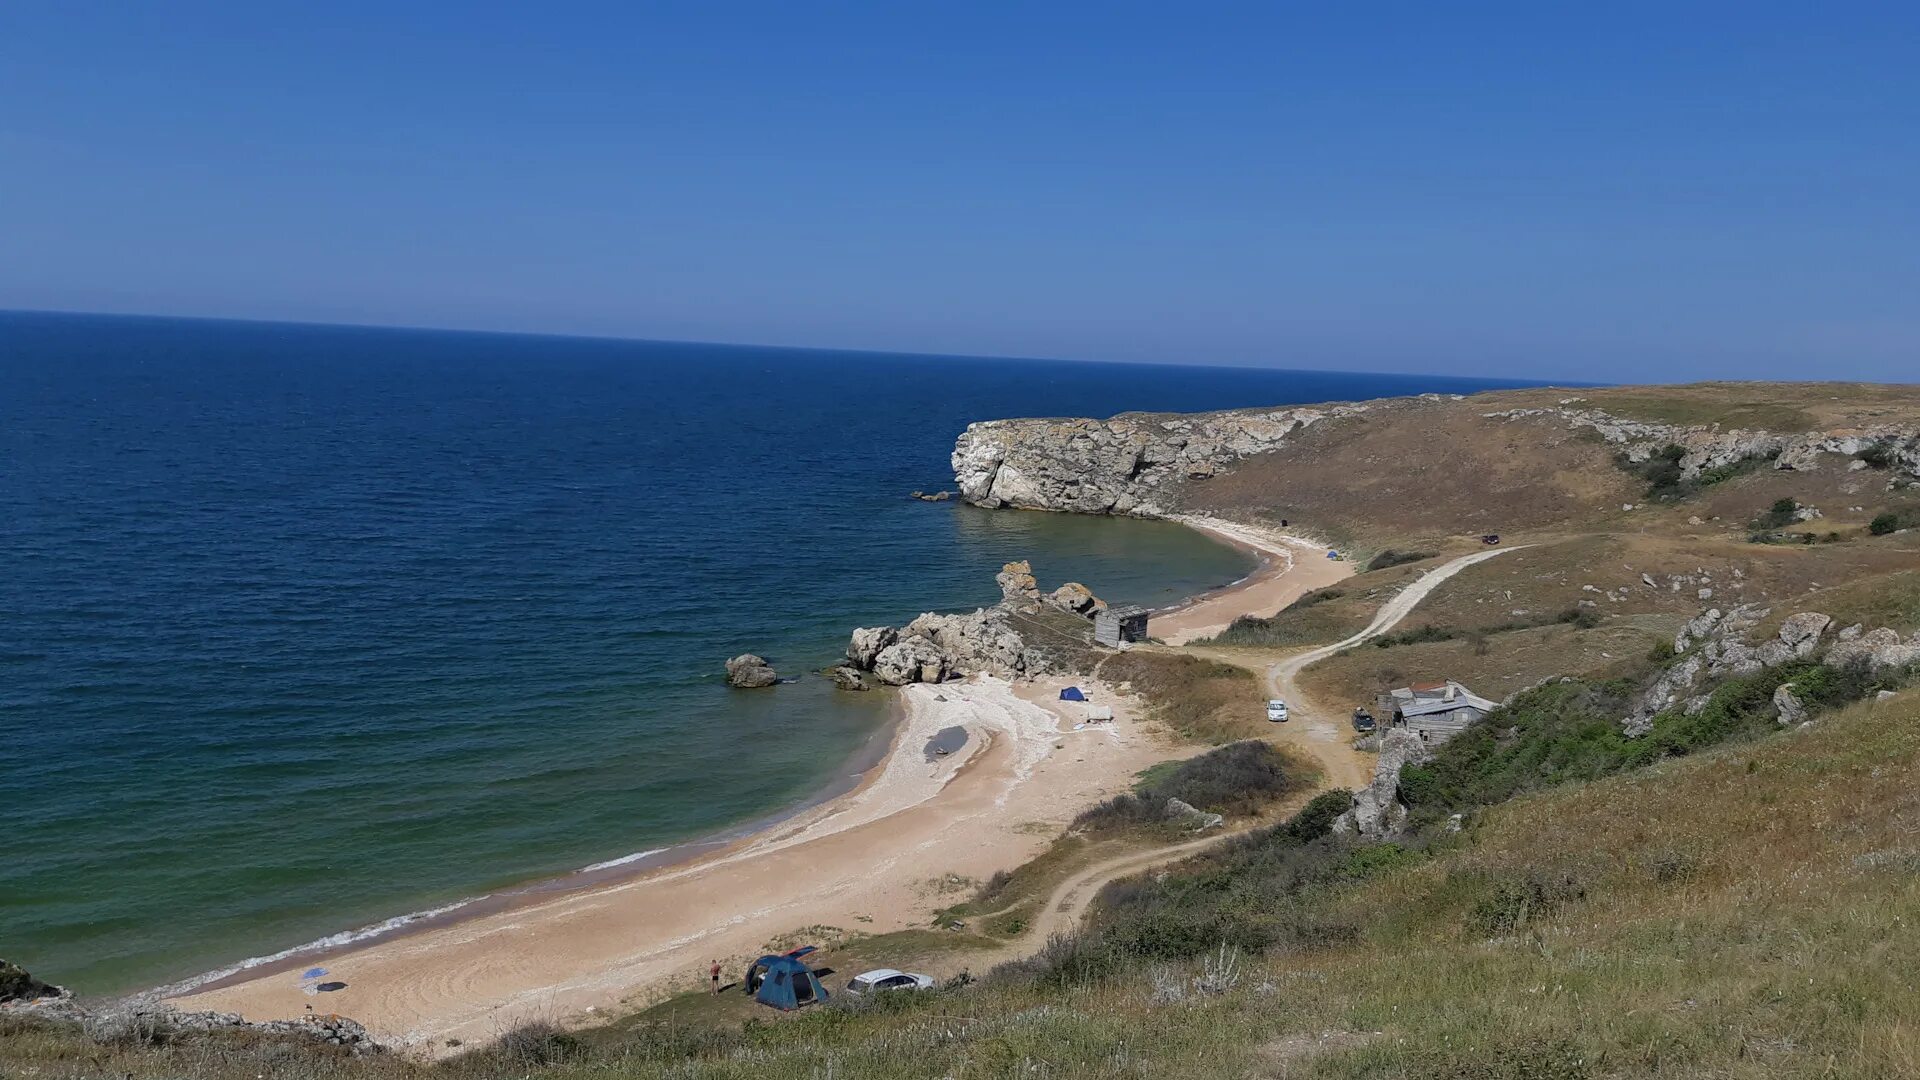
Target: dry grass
<point x="1200" y="699"/>
<point x="1493" y="667"/>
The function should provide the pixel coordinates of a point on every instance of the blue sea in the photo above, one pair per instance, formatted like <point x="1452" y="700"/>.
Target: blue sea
<point x="305" y="628"/>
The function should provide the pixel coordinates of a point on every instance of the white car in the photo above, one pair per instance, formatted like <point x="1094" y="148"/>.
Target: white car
<point x="888" y="979"/>
<point x="1277" y="711"/>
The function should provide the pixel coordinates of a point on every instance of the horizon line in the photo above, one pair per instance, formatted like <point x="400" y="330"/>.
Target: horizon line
<point x="910" y="353"/>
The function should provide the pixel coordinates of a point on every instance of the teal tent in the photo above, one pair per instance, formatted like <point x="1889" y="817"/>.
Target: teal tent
<point x="784" y="982"/>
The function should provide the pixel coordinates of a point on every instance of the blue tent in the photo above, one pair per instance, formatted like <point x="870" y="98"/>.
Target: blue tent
<point x="1072" y="693"/>
<point x="783" y="982"/>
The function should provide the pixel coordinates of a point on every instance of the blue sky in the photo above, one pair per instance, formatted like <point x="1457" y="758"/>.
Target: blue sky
<point x="1602" y="192"/>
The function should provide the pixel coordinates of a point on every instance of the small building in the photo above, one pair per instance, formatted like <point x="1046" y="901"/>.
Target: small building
<point x="1436" y="711"/>
<point x="1116" y="625"/>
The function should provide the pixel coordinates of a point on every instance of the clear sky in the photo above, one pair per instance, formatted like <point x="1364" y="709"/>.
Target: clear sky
<point x="1585" y="191"/>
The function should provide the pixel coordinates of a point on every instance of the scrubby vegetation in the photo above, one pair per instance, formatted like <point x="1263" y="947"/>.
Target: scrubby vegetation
<point x="1782" y="513"/>
<point x="1391" y="557"/>
<point x="1665" y="478"/>
<point x="1302" y="622"/>
<point x="1892" y="521"/>
<point x="1584" y="618"/>
<point x="1237" y="780"/>
<point x="1569" y="730"/>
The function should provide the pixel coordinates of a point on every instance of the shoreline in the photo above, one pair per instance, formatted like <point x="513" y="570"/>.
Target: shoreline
<point x="872" y="754"/>
<point x="418" y="979"/>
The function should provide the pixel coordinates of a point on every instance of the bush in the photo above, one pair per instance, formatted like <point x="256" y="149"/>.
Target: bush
<point x="538" y="1043"/>
<point x="1418" y="635"/>
<point x="1391" y="558"/>
<point x="1877" y="456"/>
<point x="1285" y="627"/>
<point x="1237" y="780"/>
<point x="1888" y="522"/>
<point x="1513" y="900"/>
<point x="1781" y="514"/>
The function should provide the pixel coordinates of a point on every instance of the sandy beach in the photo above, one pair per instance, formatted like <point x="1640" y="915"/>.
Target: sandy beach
<point x="1290" y="566"/>
<point x="865" y="860"/>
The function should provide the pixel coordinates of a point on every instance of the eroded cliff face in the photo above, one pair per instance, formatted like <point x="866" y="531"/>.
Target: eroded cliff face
<point x="1142" y="463"/>
<point x="1130" y="464"/>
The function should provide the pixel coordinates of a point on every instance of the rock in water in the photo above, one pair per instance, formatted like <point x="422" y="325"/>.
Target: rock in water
<point x="910" y="660"/>
<point x="1016" y="581"/>
<point x="748" y="671"/>
<point x="17" y="985"/>
<point x="867" y="642"/>
<point x="846" y="677"/>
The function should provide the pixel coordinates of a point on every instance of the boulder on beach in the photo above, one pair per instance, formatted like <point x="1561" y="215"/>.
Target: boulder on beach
<point x="748" y="671"/>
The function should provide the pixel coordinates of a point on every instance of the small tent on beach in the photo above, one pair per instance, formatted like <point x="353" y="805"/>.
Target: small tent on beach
<point x="784" y="982"/>
<point x="1072" y="693"/>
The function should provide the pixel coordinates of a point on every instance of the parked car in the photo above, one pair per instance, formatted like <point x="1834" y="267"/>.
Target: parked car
<point x="1277" y="711"/>
<point x="888" y="979"/>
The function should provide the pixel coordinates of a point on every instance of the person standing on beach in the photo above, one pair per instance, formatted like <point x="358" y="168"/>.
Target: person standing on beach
<point x="714" y="974"/>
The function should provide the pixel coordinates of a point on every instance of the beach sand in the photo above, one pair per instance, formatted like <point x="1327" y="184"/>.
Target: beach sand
<point x="868" y="855"/>
<point x="1290" y="567"/>
<point x="868" y="860"/>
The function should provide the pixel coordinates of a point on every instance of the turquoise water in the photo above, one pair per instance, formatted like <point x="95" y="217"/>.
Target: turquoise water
<point x="305" y="628"/>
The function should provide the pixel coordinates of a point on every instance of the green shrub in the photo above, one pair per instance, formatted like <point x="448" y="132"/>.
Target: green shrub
<point x="1889" y="522"/>
<point x="1390" y="558"/>
<point x="1877" y="456"/>
<point x="1237" y="780"/>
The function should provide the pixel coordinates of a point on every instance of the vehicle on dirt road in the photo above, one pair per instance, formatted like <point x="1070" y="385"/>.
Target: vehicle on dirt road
<point x="1277" y="711"/>
<point x="879" y="979"/>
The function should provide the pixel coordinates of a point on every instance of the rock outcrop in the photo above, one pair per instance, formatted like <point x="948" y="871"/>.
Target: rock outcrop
<point x="1376" y="813"/>
<point x="147" y="1022"/>
<point x="17" y="985"/>
<point x="1709" y="446"/>
<point x="867" y="642"/>
<point x="1017" y="583"/>
<point x="909" y="660"/>
<point x="1793" y="711"/>
<point x="1124" y="465"/>
<point x="748" y="672"/>
<point x="993" y="640"/>
<point x="1076" y="599"/>
<point x="1192" y="817"/>
<point x="1876" y="650"/>
<point x="1715" y="645"/>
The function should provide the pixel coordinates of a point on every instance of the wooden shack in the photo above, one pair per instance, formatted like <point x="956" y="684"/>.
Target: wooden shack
<point x="1118" y="625"/>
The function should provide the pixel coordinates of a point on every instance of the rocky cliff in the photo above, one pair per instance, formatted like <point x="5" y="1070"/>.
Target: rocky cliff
<point x="1148" y="464"/>
<point x="1130" y="464"/>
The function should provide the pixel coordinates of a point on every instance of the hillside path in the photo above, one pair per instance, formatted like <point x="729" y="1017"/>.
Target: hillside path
<point x="1316" y="730"/>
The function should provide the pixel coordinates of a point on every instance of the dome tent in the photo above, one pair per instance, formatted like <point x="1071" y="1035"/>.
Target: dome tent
<point x="784" y="982"/>
<point x="1072" y="693"/>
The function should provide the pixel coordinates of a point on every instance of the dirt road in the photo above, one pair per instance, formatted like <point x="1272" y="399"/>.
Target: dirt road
<point x="1317" y="729"/>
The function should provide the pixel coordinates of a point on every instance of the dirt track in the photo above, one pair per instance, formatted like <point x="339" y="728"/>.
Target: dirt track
<point x="1317" y="730"/>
